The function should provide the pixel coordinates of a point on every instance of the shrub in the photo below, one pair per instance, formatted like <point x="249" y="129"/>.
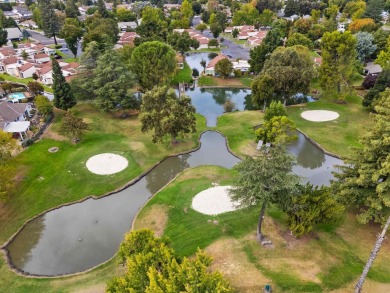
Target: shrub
<point x="212" y="55"/>
<point x="276" y="108"/>
<point x="369" y="81"/>
<point x="27" y="142"/>
<point x="237" y="72"/>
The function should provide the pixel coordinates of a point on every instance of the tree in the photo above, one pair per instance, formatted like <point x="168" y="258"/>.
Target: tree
<point x="113" y="83"/>
<point x="363" y="24"/>
<point x="262" y="90"/>
<point x="153" y="63"/>
<point x="103" y="31"/>
<point x="338" y="55"/>
<point x="311" y="206"/>
<point x="354" y="9"/>
<point x="153" y="266"/>
<point x="201" y="27"/>
<point x="35" y="76"/>
<point x="364" y="46"/>
<point x="203" y="63"/>
<point x="381" y="83"/>
<point x="235" y="33"/>
<point x="278" y="129"/>
<point x="102" y="9"/>
<point x="3" y="37"/>
<point x="153" y="24"/>
<point x="383" y="59"/>
<point x="125" y="15"/>
<point x="246" y="15"/>
<point x="83" y="83"/>
<point x="276" y="108"/>
<point x="266" y="179"/>
<point x="182" y="42"/>
<point x="25" y="34"/>
<point x="266" y="17"/>
<point x="273" y="5"/>
<point x="166" y="114"/>
<point x="213" y="43"/>
<point x="299" y="39"/>
<point x="71" y="10"/>
<point x="224" y="67"/>
<point x="72" y="33"/>
<point x="374" y="10"/>
<point x="73" y="127"/>
<point x="44" y="106"/>
<point x="50" y="21"/>
<point x="291" y="70"/>
<point x="196" y="7"/>
<point x="35" y="88"/>
<point x="215" y="29"/>
<point x="363" y="181"/>
<point x="63" y="96"/>
<point x="7" y="170"/>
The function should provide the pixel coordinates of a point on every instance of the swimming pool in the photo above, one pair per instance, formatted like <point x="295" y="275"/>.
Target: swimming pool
<point x="16" y="97"/>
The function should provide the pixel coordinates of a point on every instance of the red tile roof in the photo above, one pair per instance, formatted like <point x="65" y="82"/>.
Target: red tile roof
<point x="214" y="61"/>
<point x="25" y="67"/>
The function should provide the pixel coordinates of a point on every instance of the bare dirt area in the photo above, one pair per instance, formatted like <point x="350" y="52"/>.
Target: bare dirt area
<point x="155" y="219"/>
<point x="50" y="134"/>
<point x="232" y="262"/>
<point x="101" y="288"/>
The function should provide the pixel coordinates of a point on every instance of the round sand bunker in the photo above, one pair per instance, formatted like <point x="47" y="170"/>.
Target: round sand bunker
<point x="106" y="164"/>
<point x="319" y="115"/>
<point x="214" y="201"/>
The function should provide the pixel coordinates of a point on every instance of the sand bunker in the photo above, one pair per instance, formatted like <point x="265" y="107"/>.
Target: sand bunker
<point x="214" y="201"/>
<point x="319" y="115"/>
<point x="106" y="164"/>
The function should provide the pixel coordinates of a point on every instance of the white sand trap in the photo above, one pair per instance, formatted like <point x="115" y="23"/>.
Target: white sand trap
<point x="214" y="201"/>
<point x="319" y="115"/>
<point x="106" y="164"/>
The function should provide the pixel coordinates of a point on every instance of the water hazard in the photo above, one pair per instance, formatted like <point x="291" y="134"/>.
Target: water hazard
<point x="80" y="236"/>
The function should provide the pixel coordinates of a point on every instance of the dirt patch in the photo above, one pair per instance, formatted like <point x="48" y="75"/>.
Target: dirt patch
<point x="248" y="147"/>
<point x="305" y="269"/>
<point x="234" y="82"/>
<point x="368" y="287"/>
<point x="293" y="242"/>
<point x="53" y="135"/>
<point x="137" y="146"/>
<point x="232" y="262"/>
<point x="202" y="172"/>
<point x="101" y="288"/>
<point x="155" y="219"/>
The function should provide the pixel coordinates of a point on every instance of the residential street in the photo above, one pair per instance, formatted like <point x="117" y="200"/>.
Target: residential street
<point x="233" y="50"/>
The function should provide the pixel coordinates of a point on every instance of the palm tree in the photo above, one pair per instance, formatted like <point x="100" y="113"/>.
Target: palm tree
<point x="203" y="64"/>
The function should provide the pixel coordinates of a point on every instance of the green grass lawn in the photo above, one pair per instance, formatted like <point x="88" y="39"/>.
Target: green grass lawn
<point x="24" y="81"/>
<point x="183" y="75"/>
<point x="339" y="135"/>
<point x="205" y="80"/>
<point x="330" y="258"/>
<point x="238" y="82"/>
<point x="215" y="50"/>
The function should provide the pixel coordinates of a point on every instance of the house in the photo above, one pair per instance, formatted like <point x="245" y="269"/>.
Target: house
<point x="14" y="34"/>
<point x="7" y="52"/>
<point x="127" y="38"/>
<point x="241" y="65"/>
<point x="22" y="12"/>
<point x="11" y="14"/>
<point x="210" y="68"/>
<point x="10" y="66"/>
<point x="45" y="72"/>
<point x="373" y="69"/>
<point x="317" y="61"/>
<point x="123" y="26"/>
<point x="26" y="70"/>
<point x="229" y="30"/>
<point x="257" y="38"/>
<point x="40" y="58"/>
<point x="203" y="41"/>
<point x="13" y="116"/>
<point x="49" y="51"/>
<point x="29" y="24"/>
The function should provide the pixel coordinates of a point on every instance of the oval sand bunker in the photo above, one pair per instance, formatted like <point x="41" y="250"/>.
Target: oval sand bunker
<point x="214" y="201"/>
<point x="106" y="164"/>
<point x="319" y="115"/>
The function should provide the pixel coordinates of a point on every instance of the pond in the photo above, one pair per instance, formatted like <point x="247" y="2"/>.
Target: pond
<point x="193" y="60"/>
<point x="77" y="237"/>
<point x="209" y="101"/>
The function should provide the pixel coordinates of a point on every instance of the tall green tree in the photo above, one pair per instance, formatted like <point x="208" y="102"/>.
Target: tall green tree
<point x="72" y="33"/>
<point x="63" y="96"/>
<point x="364" y="180"/>
<point x="154" y="64"/>
<point x="278" y="129"/>
<point x="224" y="67"/>
<point x="374" y="10"/>
<point x="73" y="127"/>
<point x="103" y="31"/>
<point x="102" y="9"/>
<point x="291" y="70"/>
<point x="262" y="90"/>
<point x="50" y="20"/>
<point x="153" y="266"/>
<point x="44" y="106"/>
<point x="299" y="39"/>
<point x="265" y="179"/>
<point x="182" y="42"/>
<point x="71" y="10"/>
<point x="166" y="114"/>
<point x="113" y="83"/>
<point x="83" y="84"/>
<point x="153" y="25"/>
<point x="338" y="56"/>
